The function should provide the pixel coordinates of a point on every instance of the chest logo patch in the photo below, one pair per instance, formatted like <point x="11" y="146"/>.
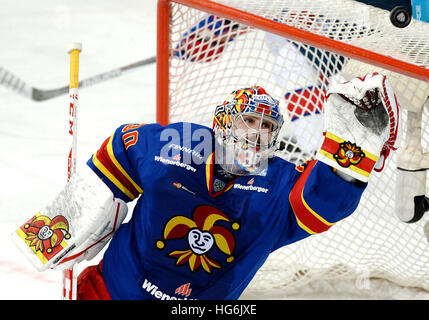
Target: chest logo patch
<point x="204" y="234"/>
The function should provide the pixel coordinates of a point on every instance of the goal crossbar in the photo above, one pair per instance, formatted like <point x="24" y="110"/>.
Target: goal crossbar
<point x="290" y="32"/>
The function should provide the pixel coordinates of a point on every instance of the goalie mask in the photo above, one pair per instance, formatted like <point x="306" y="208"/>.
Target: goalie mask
<point x="246" y="126"/>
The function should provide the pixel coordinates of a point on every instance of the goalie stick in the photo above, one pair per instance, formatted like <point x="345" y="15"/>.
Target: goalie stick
<point x="69" y="276"/>
<point x="11" y="81"/>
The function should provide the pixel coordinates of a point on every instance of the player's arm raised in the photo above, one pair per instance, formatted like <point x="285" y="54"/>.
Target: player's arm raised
<point x="361" y="128"/>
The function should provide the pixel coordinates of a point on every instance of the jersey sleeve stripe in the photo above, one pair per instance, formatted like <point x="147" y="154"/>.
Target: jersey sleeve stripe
<point x="306" y="217"/>
<point x="103" y="162"/>
<point x="111" y="177"/>
<point x="120" y="168"/>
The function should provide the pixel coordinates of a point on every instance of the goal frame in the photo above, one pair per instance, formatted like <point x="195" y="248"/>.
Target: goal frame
<point x="289" y="32"/>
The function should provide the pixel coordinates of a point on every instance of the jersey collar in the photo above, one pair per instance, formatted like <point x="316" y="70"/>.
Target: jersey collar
<point x="210" y="179"/>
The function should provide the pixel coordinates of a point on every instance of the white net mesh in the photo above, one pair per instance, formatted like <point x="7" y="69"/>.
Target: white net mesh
<point x="212" y="56"/>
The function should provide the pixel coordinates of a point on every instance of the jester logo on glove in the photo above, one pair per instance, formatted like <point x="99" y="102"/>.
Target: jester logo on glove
<point x="203" y="234"/>
<point x="348" y="154"/>
<point x="43" y="233"/>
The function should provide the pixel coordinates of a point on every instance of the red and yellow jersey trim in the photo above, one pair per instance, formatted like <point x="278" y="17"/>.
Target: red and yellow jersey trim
<point x="308" y="219"/>
<point x="209" y="178"/>
<point x="105" y="161"/>
<point x="332" y="148"/>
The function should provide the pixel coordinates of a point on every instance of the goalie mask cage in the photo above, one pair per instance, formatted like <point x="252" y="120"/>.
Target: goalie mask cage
<point x="207" y="49"/>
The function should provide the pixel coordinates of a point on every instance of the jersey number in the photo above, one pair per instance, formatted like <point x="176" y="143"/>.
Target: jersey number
<point x="130" y="138"/>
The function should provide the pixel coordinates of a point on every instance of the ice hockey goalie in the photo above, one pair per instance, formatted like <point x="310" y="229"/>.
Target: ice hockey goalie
<point x="211" y="203"/>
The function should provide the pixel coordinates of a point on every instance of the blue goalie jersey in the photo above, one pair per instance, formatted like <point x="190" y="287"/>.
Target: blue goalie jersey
<point x="191" y="234"/>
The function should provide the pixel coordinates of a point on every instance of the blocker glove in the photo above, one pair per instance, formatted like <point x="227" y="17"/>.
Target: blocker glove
<point x="361" y="125"/>
<point x="73" y="227"/>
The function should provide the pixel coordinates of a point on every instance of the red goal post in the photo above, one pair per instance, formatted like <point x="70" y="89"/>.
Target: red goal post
<point x="371" y="247"/>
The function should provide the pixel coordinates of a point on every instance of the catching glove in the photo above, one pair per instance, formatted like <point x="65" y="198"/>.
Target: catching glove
<point x="361" y="126"/>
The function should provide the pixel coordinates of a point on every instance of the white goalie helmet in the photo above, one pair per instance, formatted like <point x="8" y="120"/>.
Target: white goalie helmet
<point x="246" y="127"/>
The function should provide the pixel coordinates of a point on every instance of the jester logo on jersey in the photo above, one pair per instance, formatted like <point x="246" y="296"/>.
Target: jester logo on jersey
<point x="43" y="233"/>
<point x="203" y="234"/>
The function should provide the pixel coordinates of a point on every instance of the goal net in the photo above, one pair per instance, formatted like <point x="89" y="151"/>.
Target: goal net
<point x="295" y="49"/>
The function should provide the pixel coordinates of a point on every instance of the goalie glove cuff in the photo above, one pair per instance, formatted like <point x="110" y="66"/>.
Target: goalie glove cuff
<point x="96" y="241"/>
<point x="361" y="126"/>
